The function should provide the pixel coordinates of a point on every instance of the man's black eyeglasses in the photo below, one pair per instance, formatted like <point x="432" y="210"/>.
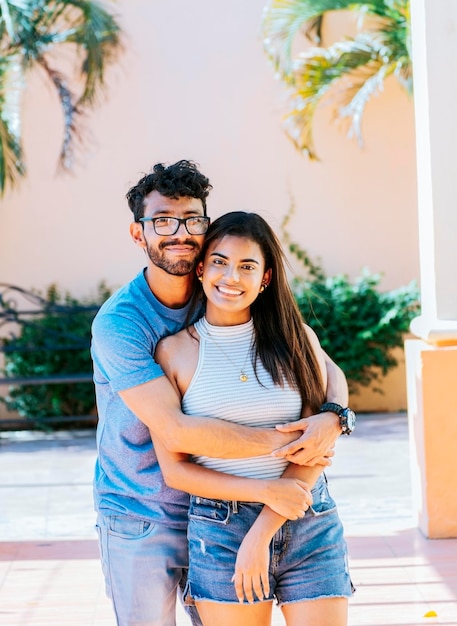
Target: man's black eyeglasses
<point x="195" y="225"/>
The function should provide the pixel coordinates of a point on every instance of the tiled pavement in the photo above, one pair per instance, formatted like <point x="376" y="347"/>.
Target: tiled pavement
<point x="49" y="569"/>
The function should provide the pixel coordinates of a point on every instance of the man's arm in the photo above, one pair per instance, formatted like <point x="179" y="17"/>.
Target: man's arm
<point x="157" y="404"/>
<point x="320" y="431"/>
<point x="337" y="387"/>
<point x="121" y="350"/>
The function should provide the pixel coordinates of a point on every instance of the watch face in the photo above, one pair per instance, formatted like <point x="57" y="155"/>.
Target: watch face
<point x="350" y="420"/>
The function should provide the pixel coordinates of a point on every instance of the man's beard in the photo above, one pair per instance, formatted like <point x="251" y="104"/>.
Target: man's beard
<point x="183" y="267"/>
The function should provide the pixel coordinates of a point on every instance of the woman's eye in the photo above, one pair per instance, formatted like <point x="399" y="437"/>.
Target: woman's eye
<point x="248" y="267"/>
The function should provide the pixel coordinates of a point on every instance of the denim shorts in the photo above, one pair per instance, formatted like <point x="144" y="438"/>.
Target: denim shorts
<point x="308" y="557"/>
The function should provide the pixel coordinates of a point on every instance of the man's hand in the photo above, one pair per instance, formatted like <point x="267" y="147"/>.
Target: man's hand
<point x="315" y="446"/>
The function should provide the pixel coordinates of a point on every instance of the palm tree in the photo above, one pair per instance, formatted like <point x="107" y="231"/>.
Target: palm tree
<point x="32" y="34"/>
<point x="352" y="71"/>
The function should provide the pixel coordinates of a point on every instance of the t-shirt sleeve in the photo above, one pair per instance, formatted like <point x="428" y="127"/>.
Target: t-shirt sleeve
<point x="122" y="352"/>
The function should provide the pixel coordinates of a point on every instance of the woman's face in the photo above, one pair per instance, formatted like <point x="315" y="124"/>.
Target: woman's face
<point x="233" y="272"/>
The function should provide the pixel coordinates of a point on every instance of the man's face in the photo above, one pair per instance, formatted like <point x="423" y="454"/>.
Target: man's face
<point x="175" y="254"/>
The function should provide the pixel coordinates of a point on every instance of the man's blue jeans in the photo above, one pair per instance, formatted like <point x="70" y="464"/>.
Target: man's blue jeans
<point x="145" y="566"/>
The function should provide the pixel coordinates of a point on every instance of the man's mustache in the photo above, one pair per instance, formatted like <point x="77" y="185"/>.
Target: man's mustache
<point x="178" y="242"/>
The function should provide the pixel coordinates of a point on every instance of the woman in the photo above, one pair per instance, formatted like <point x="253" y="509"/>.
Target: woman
<point x="252" y="360"/>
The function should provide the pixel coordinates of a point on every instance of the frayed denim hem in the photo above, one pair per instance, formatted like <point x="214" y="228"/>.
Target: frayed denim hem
<point x="321" y="597"/>
<point x="245" y="603"/>
<point x="190" y="600"/>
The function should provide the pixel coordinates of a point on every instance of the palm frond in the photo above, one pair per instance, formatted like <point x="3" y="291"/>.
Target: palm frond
<point x="284" y="19"/>
<point x="313" y="30"/>
<point x="6" y="18"/>
<point x="83" y="23"/>
<point x="352" y="70"/>
<point x="367" y="80"/>
<point x="33" y="31"/>
<point x="12" y="166"/>
<point x="298" y="124"/>
<point x="12" y="14"/>
<point x="364" y="84"/>
<point x="71" y="113"/>
<point x="96" y="34"/>
<point x="392" y="39"/>
<point x="315" y="72"/>
<point x="11" y="158"/>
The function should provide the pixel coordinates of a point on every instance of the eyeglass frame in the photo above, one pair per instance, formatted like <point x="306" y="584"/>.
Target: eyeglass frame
<point x="179" y="220"/>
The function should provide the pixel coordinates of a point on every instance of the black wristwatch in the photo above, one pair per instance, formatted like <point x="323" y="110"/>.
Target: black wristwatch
<point x="347" y="416"/>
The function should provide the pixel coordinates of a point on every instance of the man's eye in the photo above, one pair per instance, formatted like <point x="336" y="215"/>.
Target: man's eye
<point x="162" y="221"/>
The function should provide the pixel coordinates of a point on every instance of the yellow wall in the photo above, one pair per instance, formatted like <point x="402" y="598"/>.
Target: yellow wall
<point x="393" y="386"/>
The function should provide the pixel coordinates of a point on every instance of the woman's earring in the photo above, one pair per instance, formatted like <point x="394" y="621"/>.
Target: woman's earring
<point x="262" y="288"/>
<point x="200" y="278"/>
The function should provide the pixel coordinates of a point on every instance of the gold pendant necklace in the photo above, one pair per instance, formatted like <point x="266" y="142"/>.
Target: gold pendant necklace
<point x="243" y="376"/>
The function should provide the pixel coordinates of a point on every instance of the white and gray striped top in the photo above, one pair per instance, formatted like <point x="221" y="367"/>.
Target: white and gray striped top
<point x="217" y="391"/>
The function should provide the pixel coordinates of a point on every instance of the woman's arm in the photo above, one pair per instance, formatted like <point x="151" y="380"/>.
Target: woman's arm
<point x="253" y="559"/>
<point x="289" y="496"/>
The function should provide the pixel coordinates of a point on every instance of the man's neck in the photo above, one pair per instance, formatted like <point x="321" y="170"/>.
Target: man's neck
<point x="172" y="291"/>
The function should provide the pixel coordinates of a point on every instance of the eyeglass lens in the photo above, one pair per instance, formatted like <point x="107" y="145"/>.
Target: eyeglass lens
<point x="170" y="225"/>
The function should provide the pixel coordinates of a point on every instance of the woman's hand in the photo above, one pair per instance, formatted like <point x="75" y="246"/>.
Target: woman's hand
<point x="289" y="497"/>
<point x="251" y="568"/>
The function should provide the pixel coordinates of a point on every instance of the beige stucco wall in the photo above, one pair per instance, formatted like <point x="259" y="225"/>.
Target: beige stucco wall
<point x="194" y="83"/>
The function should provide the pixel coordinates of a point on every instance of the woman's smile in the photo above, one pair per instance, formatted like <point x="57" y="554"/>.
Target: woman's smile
<point x="228" y="291"/>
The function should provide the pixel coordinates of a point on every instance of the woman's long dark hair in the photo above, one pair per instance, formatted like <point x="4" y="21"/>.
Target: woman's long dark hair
<point x="281" y="342"/>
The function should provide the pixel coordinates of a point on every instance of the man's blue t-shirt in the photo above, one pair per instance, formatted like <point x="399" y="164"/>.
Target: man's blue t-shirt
<point x="125" y="333"/>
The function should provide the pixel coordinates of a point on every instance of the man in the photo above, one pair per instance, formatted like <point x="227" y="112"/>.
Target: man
<point x="142" y="522"/>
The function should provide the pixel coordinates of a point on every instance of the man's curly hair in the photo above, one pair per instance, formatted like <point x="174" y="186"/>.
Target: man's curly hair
<point x="182" y="179"/>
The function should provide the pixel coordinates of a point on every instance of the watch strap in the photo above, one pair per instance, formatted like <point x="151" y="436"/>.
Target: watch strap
<point x="332" y="407"/>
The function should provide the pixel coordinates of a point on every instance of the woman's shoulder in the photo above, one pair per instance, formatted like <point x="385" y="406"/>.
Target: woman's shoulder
<point x="178" y="355"/>
<point x="175" y="344"/>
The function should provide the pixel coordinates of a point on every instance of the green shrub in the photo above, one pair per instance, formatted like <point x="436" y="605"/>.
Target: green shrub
<point x="54" y="342"/>
<point x="357" y="324"/>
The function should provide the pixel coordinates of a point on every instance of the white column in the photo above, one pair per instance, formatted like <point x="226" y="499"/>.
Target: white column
<point x="434" y="52"/>
<point x="431" y="360"/>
